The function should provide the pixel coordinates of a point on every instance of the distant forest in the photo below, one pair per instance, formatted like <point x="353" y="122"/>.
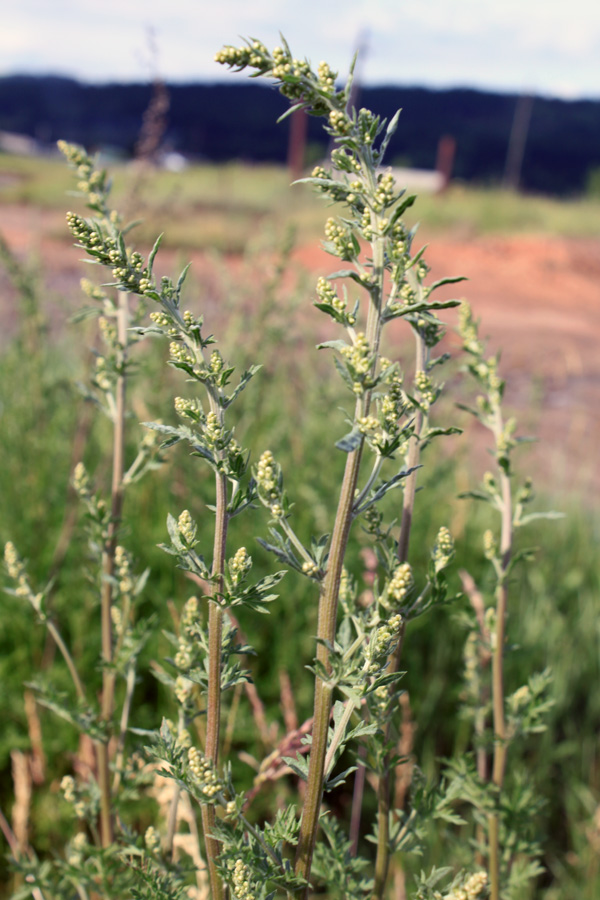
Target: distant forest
<point x="219" y="122"/>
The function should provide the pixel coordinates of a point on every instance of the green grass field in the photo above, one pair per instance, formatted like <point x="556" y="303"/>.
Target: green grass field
<point x="216" y="207"/>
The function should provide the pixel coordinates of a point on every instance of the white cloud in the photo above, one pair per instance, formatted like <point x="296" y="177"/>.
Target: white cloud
<point x="540" y="44"/>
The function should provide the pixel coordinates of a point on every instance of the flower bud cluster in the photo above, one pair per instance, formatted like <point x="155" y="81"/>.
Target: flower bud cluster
<point x="213" y="431"/>
<point x="108" y="331"/>
<point x="165" y="322"/>
<point x="240" y="565"/>
<point x="180" y="353"/>
<point x="76" y="157"/>
<point x="339" y="122"/>
<point x="130" y="273"/>
<point x="183" y="686"/>
<point x="368" y="425"/>
<point x="81" y="481"/>
<point x="343" y="162"/>
<point x="190" y="613"/>
<point x="347" y="594"/>
<point x="216" y="362"/>
<point x="391" y="405"/>
<point x="505" y="440"/>
<point x="254" y="55"/>
<point x="204" y="773"/>
<point x="77" y="848"/>
<point x="92" y="183"/>
<point x="91" y="290"/>
<point x="339" y="236"/>
<point x="490" y="626"/>
<point x="16" y="570"/>
<point x="490" y="546"/>
<point x="151" y="839"/>
<point x="443" y="549"/>
<point x="473" y="888"/>
<point x="14" y="564"/>
<point x="385" y="194"/>
<point x="471" y="659"/>
<point x="184" y="658"/>
<point x="188" y="645"/>
<point x="520" y="699"/>
<point x="96" y="506"/>
<point x="427" y="393"/>
<point x="71" y="795"/>
<point x="310" y="568"/>
<point x="326" y="77"/>
<point x="284" y="67"/>
<point x="327" y="294"/>
<point x="187" y="527"/>
<point x="123" y="570"/>
<point x="381" y="696"/>
<point x="320" y="172"/>
<point x="104" y="374"/>
<point x="268" y="480"/>
<point x="383" y="643"/>
<point x="487" y="372"/>
<point x="467" y="328"/>
<point x="188" y="409"/>
<point x="365" y="225"/>
<point x="400" y="583"/>
<point x="359" y="361"/>
<point x="367" y="125"/>
<point x="241" y="882"/>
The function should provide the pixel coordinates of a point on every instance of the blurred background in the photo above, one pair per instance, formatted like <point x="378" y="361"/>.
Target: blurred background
<point x="500" y="137"/>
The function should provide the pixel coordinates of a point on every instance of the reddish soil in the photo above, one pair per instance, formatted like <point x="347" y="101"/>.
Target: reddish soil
<point x="538" y="298"/>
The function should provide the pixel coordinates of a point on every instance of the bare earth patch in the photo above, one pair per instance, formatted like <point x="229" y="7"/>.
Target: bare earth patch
<point x="538" y="299"/>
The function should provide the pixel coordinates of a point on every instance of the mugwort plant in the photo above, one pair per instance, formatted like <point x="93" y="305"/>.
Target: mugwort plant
<point x="306" y="847"/>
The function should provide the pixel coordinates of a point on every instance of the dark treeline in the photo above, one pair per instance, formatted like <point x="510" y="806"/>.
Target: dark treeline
<point x="220" y="122"/>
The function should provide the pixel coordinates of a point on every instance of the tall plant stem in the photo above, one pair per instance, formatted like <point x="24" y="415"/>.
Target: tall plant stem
<point x="328" y="601"/>
<point x="108" y="568"/>
<point x="213" y="710"/>
<point x="500" y="734"/>
<point x="323" y="689"/>
<point x="384" y="788"/>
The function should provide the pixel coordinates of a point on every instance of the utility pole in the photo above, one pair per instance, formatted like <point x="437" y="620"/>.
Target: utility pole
<point x="516" y="144"/>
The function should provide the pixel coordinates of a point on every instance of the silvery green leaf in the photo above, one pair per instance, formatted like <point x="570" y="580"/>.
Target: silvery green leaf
<point x="153" y="253"/>
<point x="334" y="782"/>
<point x="332" y="345"/>
<point x="531" y="517"/>
<point x="350" y="441"/>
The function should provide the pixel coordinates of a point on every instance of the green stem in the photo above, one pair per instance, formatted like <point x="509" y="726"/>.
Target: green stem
<point x="57" y="637"/>
<point x="125" y="712"/>
<point x="382" y="860"/>
<point x="323" y="690"/>
<point x="108" y="568"/>
<point x="500" y="733"/>
<point x="328" y="601"/>
<point x="213" y="702"/>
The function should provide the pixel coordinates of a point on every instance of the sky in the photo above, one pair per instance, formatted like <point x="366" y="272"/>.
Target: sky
<point x="548" y="47"/>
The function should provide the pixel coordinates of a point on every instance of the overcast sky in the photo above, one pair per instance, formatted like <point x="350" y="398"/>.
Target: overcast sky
<point x="546" y="46"/>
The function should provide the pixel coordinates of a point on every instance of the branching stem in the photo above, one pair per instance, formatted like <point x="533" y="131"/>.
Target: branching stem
<point x="328" y="602"/>
<point x="382" y="860"/>
<point x="213" y="710"/>
<point x="500" y="733"/>
<point x="108" y="568"/>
